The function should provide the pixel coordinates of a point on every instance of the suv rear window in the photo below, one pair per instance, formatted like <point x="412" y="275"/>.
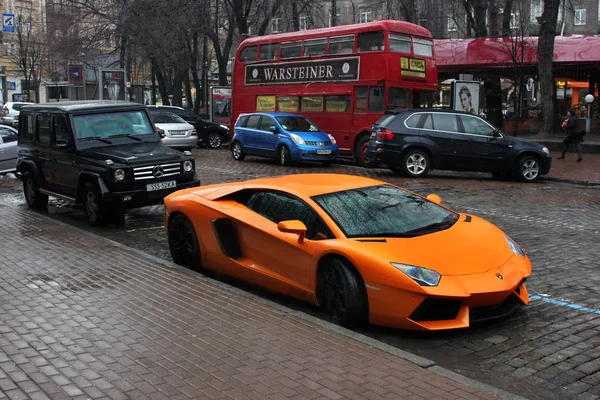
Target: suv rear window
<point x="386" y="119"/>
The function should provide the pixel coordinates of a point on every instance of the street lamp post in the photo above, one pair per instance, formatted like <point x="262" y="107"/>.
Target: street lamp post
<point x="589" y="99"/>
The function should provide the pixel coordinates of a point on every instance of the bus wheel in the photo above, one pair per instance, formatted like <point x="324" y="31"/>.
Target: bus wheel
<point x="360" y="151"/>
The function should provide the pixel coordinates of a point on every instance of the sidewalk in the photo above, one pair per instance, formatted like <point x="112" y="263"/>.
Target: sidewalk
<point x="82" y="317"/>
<point x="586" y="172"/>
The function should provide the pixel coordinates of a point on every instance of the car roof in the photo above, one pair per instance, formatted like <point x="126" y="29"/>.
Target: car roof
<point x="312" y="184"/>
<point x="158" y="106"/>
<point x="87" y="105"/>
<point x="273" y="114"/>
<point x="406" y="111"/>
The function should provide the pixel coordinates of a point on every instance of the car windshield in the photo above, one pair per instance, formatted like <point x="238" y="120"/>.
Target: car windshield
<point x="106" y="125"/>
<point x="384" y="211"/>
<point x="296" y="124"/>
<point x="167" y="118"/>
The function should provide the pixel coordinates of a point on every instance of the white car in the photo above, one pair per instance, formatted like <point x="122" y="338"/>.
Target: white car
<point x="177" y="133"/>
<point x="9" y="139"/>
<point x="10" y="113"/>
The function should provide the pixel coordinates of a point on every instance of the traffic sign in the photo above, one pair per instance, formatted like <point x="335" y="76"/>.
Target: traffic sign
<point x="8" y="23"/>
<point x="11" y="85"/>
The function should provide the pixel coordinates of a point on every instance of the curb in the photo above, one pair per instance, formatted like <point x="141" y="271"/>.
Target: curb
<point x="571" y="181"/>
<point x="405" y="355"/>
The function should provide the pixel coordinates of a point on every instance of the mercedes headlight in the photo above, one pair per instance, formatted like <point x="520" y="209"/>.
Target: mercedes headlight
<point x="119" y="175"/>
<point x="331" y="138"/>
<point x="187" y="166"/>
<point x="297" y="139"/>
<point x="545" y="150"/>
<point x="423" y="276"/>
<point x="513" y="246"/>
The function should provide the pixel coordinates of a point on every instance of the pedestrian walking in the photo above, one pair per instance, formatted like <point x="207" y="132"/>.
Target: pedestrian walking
<point x="573" y="136"/>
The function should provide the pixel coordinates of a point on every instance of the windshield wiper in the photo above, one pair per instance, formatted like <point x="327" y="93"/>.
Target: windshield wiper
<point x="97" y="138"/>
<point x="127" y="135"/>
<point x="437" y="226"/>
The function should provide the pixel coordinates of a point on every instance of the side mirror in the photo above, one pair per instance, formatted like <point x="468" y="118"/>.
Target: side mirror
<point x="274" y="129"/>
<point x="62" y="144"/>
<point x="434" y="198"/>
<point x="293" y="226"/>
<point x="161" y="133"/>
<point x="496" y="134"/>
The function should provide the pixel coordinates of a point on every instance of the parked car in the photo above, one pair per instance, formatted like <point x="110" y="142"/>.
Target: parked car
<point x="209" y="133"/>
<point x="10" y="113"/>
<point x="106" y="155"/>
<point x="364" y="250"/>
<point x="286" y="137"/>
<point x="9" y="138"/>
<point x="176" y="132"/>
<point x="413" y="142"/>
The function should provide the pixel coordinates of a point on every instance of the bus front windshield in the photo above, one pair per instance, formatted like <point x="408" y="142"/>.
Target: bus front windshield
<point x="297" y="124"/>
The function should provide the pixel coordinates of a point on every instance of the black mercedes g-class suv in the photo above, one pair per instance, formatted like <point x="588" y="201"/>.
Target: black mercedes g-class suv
<point x="106" y="155"/>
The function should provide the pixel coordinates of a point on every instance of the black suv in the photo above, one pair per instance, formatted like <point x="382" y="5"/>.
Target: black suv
<point x="414" y="141"/>
<point x="104" y="154"/>
<point x="209" y="133"/>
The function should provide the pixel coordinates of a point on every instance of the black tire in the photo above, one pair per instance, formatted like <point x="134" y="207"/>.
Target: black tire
<point x="415" y="163"/>
<point x="202" y="145"/>
<point x="93" y="205"/>
<point x="31" y="189"/>
<point x="237" y="151"/>
<point x="502" y="176"/>
<point x="343" y="294"/>
<point x="396" y="170"/>
<point x="215" y="140"/>
<point x="183" y="243"/>
<point x="360" y="155"/>
<point x="284" y="156"/>
<point x="528" y="168"/>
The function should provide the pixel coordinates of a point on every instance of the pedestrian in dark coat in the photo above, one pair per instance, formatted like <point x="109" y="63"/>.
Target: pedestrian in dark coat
<point x="573" y="136"/>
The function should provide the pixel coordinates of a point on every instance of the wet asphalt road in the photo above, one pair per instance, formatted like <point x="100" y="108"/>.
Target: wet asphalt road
<point x="548" y="350"/>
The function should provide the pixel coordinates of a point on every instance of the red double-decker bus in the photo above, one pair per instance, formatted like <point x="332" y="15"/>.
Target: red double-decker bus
<point x="342" y="78"/>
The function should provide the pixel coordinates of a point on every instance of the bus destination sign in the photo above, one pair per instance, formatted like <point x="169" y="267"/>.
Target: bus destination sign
<point x="325" y="70"/>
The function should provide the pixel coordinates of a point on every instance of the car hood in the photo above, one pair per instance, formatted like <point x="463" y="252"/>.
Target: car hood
<point x="313" y="136"/>
<point x="465" y="248"/>
<point x="134" y="154"/>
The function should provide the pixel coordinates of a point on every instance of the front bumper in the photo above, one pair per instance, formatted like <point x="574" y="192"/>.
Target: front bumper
<point x="314" y="153"/>
<point x="142" y="197"/>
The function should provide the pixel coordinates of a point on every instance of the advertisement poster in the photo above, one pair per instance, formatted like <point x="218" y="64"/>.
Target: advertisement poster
<point x="466" y="96"/>
<point x="113" y="84"/>
<point x="220" y="105"/>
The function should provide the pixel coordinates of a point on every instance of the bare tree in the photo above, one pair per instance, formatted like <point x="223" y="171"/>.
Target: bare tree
<point x="545" y="60"/>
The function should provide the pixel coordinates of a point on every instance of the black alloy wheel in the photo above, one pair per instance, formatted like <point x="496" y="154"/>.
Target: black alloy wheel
<point x="93" y="205"/>
<point x="415" y="163"/>
<point x="183" y="243"/>
<point x="33" y="196"/>
<point x="344" y="295"/>
<point x="360" y="152"/>
<point x="215" y="140"/>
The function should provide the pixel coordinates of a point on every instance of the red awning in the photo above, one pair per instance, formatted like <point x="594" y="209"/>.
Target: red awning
<point x="481" y="53"/>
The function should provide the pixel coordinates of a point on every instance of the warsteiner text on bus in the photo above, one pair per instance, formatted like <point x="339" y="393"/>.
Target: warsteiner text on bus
<point x="342" y="78"/>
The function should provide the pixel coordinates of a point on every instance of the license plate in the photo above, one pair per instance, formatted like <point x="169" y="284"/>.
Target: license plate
<point x="323" y="151"/>
<point x="151" y="187"/>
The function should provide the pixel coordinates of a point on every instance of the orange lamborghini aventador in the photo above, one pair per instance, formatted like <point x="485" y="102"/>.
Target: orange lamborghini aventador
<point x="365" y="250"/>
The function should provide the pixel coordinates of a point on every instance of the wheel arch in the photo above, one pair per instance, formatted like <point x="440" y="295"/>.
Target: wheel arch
<point x="362" y="133"/>
<point x="324" y="261"/>
<point x="412" y="146"/>
<point x="85" y="178"/>
<point x="525" y="153"/>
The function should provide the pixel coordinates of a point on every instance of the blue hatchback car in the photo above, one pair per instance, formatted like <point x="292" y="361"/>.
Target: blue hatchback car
<point x="286" y="137"/>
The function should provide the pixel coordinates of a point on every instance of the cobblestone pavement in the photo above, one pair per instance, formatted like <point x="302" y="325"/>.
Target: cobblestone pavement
<point x="549" y="350"/>
<point x="83" y="318"/>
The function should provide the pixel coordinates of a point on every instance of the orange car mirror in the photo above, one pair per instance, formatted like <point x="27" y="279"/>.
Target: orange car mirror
<point x="434" y="198"/>
<point x="293" y="226"/>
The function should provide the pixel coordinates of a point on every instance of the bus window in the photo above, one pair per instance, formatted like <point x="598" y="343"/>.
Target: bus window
<point x="423" y="47"/>
<point x="398" y="98"/>
<point x="376" y="99"/>
<point x="399" y="43"/>
<point x="291" y="49"/>
<point x="361" y="96"/>
<point x="248" y="54"/>
<point x="287" y="103"/>
<point x="341" y="45"/>
<point x="265" y="103"/>
<point x="312" y="103"/>
<point x="269" y="51"/>
<point x="370" y="41"/>
<point x="315" y="47"/>
<point x="337" y="103"/>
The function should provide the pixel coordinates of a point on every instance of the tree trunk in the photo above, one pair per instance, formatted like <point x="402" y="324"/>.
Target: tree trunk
<point x="480" y="11"/>
<point x="332" y="18"/>
<point x="493" y="9"/>
<point x="295" y="17"/>
<point x="506" y="18"/>
<point x="162" y="84"/>
<point x="545" y="61"/>
<point x="188" y="90"/>
<point x="177" y="86"/>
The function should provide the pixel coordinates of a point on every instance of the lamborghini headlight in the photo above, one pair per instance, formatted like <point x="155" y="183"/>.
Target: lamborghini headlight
<point x="513" y="246"/>
<point x="423" y="276"/>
